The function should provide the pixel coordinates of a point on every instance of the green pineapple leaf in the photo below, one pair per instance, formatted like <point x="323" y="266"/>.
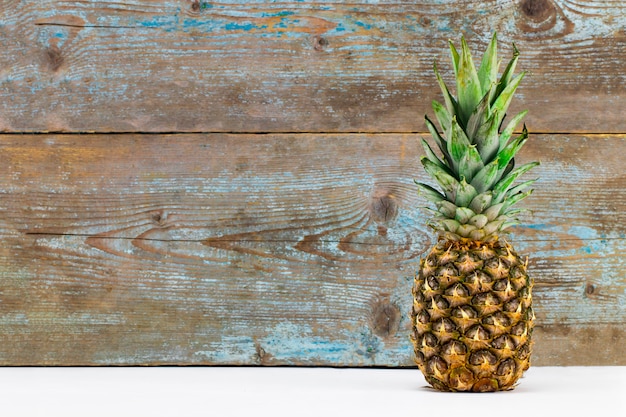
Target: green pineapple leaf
<point x="455" y="58"/>
<point x="458" y="144"/>
<point x="450" y="101"/>
<point x="450" y="225"/>
<point x="481" y="202"/>
<point x="479" y="220"/>
<point x="489" y="142"/>
<point x="493" y="212"/>
<point x="517" y="212"/>
<point x="510" y="127"/>
<point x="433" y="157"/>
<point x="488" y="70"/>
<point x="465" y="193"/>
<point x="500" y="189"/>
<point x="467" y="85"/>
<point x="470" y="163"/>
<point x="504" y="97"/>
<point x="446" y="208"/>
<point x="479" y="116"/>
<point x="487" y="176"/>
<point x="505" y="156"/>
<point x="508" y="72"/>
<point x="439" y="140"/>
<point x="430" y="193"/>
<point x="519" y="188"/>
<point x="509" y="223"/>
<point x="514" y="200"/>
<point x="448" y="183"/>
<point x="510" y="166"/>
<point x="442" y="115"/>
<point x="463" y="215"/>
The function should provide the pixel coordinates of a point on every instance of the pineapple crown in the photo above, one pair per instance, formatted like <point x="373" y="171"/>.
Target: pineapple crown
<point x="477" y="169"/>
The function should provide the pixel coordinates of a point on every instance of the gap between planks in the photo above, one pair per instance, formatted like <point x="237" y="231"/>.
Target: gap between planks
<point x="284" y="240"/>
<point x="268" y="133"/>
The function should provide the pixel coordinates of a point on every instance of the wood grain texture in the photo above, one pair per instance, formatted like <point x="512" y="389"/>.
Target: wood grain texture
<point x="277" y="249"/>
<point x="292" y="66"/>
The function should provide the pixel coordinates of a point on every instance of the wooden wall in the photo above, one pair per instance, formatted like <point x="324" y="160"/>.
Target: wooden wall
<point x="196" y="182"/>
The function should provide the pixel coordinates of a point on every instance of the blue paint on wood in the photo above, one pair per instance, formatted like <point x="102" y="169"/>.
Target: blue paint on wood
<point x="248" y="26"/>
<point x="156" y="22"/>
<point x="586" y="249"/>
<point x="258" y="22"/>
<point x="277" y="14"/>
<point x="537" y="226"/>
<point x="583" y="232"/>
<point x="194" y="23"/>
<point x="290" y="342"/>
<point x="283" y="24"/>
<point x="363" y="25"/>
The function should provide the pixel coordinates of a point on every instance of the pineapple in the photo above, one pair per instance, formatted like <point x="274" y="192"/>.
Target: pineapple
<point x="472" y="317"/>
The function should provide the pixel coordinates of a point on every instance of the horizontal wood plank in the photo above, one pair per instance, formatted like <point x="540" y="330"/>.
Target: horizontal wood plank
<point x="276" y="249"/>
<point x="291" y="66"/>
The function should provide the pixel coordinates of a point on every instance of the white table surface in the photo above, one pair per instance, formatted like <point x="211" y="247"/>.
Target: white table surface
<point x="224" y="391"/>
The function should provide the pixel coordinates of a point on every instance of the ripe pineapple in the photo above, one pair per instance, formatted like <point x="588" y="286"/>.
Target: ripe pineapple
<point x="472" y="316"/>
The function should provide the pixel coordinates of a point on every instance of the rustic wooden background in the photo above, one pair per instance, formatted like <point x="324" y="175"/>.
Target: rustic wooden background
<point x="196" y="182"/>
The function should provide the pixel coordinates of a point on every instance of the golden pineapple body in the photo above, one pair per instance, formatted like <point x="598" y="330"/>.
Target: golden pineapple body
<point x="472" y="316"/>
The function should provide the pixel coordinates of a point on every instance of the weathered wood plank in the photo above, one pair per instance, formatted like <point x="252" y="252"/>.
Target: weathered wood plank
<point x="275" y="249"/>
<point x="291" y="66"/>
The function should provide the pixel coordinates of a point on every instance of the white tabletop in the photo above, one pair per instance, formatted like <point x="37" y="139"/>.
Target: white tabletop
<point x="224" y="391"/>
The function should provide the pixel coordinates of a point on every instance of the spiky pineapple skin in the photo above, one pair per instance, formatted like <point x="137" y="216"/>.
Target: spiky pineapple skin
<point x="472" y="316"/>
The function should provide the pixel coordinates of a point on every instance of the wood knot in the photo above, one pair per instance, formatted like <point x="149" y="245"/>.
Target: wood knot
<point x="383" y="207"/>
<point x="158" y="217"/>
<point x="54" y="58"/>
<point x="543" y="18"/>
<point x="199" y="5"/>
<point x="537" y="10"/>
<point x="319" y="43"/>
<point x="385" y="319"/>
<point x="261" y="356"/>
<point x="590" y="289"/>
